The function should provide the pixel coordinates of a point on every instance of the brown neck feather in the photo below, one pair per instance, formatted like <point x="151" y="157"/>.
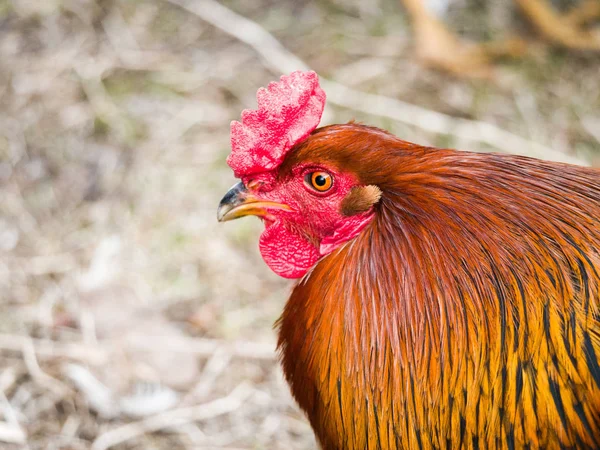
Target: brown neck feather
<point x="471" y="261"/>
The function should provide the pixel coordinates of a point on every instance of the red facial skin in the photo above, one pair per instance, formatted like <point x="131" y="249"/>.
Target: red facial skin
<point x="293" y="241"/>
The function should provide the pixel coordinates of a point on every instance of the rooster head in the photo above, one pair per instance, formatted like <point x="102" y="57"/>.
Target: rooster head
<point x="300" y="181"/>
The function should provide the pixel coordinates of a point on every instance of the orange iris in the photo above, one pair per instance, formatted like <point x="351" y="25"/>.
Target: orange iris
<point x="320" y="181"/>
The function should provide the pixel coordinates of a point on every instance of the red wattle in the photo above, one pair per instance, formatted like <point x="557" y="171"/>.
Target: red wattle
<point x="291" y="255"/>
<point x="287" y="254"/>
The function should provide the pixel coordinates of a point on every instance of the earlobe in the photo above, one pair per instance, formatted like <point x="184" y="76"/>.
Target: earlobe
<point x="360" y="199"/>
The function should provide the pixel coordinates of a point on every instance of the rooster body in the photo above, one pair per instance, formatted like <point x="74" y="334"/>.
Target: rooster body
<point x="465" y="315"/>
<point x="446" y="299"/>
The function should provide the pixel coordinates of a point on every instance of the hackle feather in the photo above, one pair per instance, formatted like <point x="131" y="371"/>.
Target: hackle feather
<point x="466" y="314"/>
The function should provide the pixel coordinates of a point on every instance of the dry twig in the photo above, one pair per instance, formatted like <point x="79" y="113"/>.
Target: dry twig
<point x="36" y="372"/>
<point x="10" y="431"/>
<point x="213" y="368"/>
<point x="174" y="418"/>
<point x="100" y="352"/>
<point x="279" y="59"/>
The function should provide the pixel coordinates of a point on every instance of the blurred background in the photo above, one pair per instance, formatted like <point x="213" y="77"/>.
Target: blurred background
<point x="129" y="318"/>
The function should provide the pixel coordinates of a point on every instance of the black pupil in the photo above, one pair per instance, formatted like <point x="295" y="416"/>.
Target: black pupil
<point x="320" y="180"/>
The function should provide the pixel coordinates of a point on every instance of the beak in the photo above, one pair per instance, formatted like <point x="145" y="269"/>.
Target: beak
<point x="239" y="202"/>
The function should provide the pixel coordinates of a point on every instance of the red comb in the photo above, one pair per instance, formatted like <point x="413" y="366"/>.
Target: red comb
<point x="287" y="113"/>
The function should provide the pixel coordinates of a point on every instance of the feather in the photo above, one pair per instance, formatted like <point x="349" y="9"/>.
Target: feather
<point x="466" y="314"/>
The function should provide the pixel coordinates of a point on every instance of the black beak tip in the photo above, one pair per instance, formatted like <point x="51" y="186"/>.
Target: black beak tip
<point x="230" y="200"/>
<point x="233" y="194"/>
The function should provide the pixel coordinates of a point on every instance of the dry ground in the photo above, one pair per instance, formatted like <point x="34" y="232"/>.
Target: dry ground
<point x="128" y="317"/>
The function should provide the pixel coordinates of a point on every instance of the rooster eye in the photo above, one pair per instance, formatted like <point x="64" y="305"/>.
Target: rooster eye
<point x="320" y="181"/>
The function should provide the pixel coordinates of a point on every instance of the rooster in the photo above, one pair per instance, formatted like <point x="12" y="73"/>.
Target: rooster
<point x="445" y="299"/>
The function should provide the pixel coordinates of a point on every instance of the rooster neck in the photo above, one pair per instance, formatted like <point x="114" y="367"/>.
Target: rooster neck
<point x="453" y="302"/>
